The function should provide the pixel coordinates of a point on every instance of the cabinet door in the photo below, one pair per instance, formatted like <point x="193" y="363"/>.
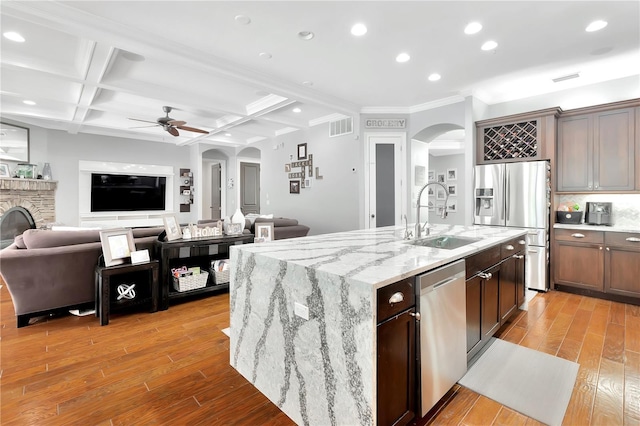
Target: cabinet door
<point x="579" y="265"/>
<point x="491" y="303"/>
<point x="520" y="278"/>
<point x="575" y="154"/>
<point x="637" y="148"/>
<point x="508" y="291"/>
<point x="397" y="370"/>
<point x="614" y="150"/>
<point x="622" y="271"/>
<point x="474" y="312"/>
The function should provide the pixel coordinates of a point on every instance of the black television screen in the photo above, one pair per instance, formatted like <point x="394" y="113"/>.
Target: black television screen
<point x="111" y="193"/>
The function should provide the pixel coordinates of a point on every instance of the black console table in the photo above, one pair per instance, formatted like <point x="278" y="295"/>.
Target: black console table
<point x="109" y="279"/>
<point x="193" y="252"/>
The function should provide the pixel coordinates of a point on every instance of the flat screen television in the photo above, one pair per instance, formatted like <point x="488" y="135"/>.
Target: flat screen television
<point x="111" y="192"/>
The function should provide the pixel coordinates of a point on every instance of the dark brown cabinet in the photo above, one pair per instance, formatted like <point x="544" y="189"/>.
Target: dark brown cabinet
<point x="511" y="277"/>
<point x="396" y="354"/>
<point x="622" y="264"/>
<point x="579" y="259"/>
<point x="596" y="150"/>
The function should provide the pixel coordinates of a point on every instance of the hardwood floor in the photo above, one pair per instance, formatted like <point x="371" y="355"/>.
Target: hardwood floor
<point x="172" y="367"/>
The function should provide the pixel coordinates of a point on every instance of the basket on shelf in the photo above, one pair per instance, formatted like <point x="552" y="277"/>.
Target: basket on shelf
<point x="191" y="282"/>
<point x="220" y="277"/>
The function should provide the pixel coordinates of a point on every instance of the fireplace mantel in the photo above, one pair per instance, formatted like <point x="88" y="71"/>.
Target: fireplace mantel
<point x="37" y="196"/>
<point x="17" y="184"/>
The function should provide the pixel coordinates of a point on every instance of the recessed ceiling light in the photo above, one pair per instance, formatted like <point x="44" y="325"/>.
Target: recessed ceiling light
<point x="242" y="19"/>
<point x="306" y="35"/>
<point x="472" y="28"/>
<point x="296" y="110"/>
<point x="307" y="83"/>
<point x="227" y="134"/>
<point x="434" y="77"/>
<point x="265" y="55"/>
<point x="489" y="45"/>
<point x="13" y="36"/>
<point x="27" y="102"/>
<point x="403" y="57"/>
<point x="359" y="29"/>
<point x="595" y="26"/>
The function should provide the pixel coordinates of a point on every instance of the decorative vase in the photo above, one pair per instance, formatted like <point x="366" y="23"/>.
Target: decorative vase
<point x="46" y="172"/>
<point x="238" y="217"/>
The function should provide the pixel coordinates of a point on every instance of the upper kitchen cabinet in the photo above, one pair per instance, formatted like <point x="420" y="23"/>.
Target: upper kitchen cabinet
<point x="597" y="148"/>
<point x="522" y="137"/>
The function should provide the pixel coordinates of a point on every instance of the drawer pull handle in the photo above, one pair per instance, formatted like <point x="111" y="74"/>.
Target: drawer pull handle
<point x="522" y="242"/>
<point x="509" y="247"/>
<point x="416" y="315"/>
<point x="633" y="240"/>
<point x="485" y="276"/>
<point x="577" y="235"/>
<point x="396" y="298"/>
<point x="518" y="256"/>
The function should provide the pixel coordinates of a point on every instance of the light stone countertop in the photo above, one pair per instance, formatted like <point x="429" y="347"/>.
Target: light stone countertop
<point x="380" y="256"/>
<point x="587" y="227"/>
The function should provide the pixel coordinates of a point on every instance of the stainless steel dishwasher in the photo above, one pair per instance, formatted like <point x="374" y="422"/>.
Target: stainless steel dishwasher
<point x="443" y="331"/>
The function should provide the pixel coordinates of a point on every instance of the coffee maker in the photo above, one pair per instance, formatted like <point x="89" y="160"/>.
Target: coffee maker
<point x="599" y="214"/>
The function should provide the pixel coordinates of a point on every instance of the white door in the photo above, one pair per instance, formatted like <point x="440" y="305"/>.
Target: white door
<point x="384" y="179"/>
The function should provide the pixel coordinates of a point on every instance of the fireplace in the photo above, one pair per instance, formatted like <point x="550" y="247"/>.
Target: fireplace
<point x="26" y="202"/>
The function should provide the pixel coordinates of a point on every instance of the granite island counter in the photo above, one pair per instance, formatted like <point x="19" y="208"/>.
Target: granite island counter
<point x="303" y="314"/>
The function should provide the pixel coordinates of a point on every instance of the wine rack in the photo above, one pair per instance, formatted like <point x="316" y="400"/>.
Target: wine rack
<point x="509" y="141"/>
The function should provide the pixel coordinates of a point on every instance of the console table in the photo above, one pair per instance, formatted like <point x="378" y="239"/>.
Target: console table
<point x="193" y="252"/>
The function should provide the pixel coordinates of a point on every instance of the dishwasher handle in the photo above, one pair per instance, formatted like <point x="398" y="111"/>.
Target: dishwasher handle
<point x="432" y="287"/>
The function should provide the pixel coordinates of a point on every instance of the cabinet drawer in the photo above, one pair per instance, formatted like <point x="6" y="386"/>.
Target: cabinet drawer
<point x="580" y="236"/>
<point x="512" y="247"/>
<point x="386" y="308"/>
<point x="622" y="239"/>
<point x="483" y="260"/>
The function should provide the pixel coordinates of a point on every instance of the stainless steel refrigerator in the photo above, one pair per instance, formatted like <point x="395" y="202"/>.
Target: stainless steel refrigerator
<point x="518" y="195"/>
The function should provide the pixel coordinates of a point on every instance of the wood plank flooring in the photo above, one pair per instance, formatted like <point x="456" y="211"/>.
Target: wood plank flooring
<point x="172" y="367"/>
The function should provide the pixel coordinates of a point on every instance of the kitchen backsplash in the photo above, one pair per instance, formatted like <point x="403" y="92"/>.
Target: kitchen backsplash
<point x="626" y="207"/>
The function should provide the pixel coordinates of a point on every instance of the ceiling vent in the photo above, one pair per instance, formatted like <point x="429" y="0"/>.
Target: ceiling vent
<point x="341" y="127"/>
<point x="565" y="77"/>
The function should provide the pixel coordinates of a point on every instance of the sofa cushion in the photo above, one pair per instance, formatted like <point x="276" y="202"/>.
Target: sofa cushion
<point x="19" y="242"/>
<point x="43" y="238"/>
<point x="277" y="221"/>
<point x="152" y="231"/>
<point x="285" y="232"/>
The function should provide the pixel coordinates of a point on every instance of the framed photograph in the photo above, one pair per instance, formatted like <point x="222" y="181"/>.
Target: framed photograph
<point x="431" y="191"/>
<point x="440" y="177"/>
<point x="264" y="231"/>
<point x="453" y="206"/>
<point x="4" y="170"/>
<point x="117" y="245"/>
<point x="432" y="176"/>
<point x="287" y="168"/>
<point x="452" y="174"/>
<point x="294" y="187"/>
<point x="302" y="151"/>
<point x="307" y="183"/>
<point x="172" y="228"/>
<point x="234" y="228"/>
<point x="453" y="190"/>
<point x="440" y="194"/>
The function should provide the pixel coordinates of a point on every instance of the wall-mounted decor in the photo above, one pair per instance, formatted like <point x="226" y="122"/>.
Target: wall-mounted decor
<point x="318" y="176"/>
<point x="452" y="174"/>
<point x="287" y="168"/>
<point x="294" y="187"/>
<point x="4" y="170"/>
<point x="14" y="143"/>
<point x="440" y="177"/>
<point x="440" y="194"/>
<point x="307" y="183"/>
<point x="302" y="151"/>
<point x="431" y="191"/>
<point x="452" y="207"/>
<point x="453" y="190"/>
<point x="432" y="176"/>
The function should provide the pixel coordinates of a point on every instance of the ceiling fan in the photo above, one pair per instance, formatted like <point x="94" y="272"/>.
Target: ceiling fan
<point x="169" y="124"/>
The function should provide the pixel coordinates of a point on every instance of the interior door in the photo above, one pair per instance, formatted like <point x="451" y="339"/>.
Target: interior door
<point x="250" y="188"/>
<point x="216" y="191"/>
<point x="385" y="206"/>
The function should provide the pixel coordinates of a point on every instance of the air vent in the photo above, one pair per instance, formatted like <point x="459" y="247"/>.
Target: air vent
<point x="341" y="127"/>
<point x="565" y="77"/>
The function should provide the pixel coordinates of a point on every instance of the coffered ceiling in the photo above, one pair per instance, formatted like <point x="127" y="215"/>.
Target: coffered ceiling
<point x="237" y="70"/>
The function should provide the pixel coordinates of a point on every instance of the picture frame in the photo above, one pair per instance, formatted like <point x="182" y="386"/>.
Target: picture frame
<point x="264" y="231"/>
<point x="432" y="176"/>
<point x="440" y="194"/>
<point x="234" y="228"/>
<point x="440" y="177"/>
<point x="452" y="189"/>
<point x="172" y="228"/>
<point x="452" y="174"/>
<point x="287" y="168"/>
<point x="117" y="245"/>
<point x="430" y="206"/>
<point x="294" y="187"/>
<point x="452" y="207"/>
<point x="14" y="143"/>
<point x="302" y="151"/>
<point x="431" y="191"/>
<point x="307" y="183"/>
<point x="4" y="170"/>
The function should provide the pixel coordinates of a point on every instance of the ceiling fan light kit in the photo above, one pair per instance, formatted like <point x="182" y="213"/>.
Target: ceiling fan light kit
<point x="170" y="125"/>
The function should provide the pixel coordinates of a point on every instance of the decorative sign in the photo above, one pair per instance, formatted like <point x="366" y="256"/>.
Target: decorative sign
<point x="385" y="123"/>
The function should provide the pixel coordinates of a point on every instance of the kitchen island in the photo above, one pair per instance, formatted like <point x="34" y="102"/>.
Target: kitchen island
<point x="303" y="314"/>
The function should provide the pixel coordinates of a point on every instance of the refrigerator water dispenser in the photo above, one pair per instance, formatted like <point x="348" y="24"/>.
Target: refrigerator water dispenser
<point x="484" y="202"/>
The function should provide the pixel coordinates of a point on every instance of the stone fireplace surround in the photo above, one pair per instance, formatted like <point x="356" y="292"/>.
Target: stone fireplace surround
<point x="35" y="195"/>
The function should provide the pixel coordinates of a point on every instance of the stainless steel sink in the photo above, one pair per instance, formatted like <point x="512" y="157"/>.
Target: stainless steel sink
<point x="447" y="242"/>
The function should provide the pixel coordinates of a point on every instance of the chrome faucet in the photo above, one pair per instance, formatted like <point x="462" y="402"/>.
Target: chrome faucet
<point x="425" y="228"/>
<point x="407" y="233"/>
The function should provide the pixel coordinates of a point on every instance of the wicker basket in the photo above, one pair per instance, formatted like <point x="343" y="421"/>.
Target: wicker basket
<point x="220" y="277"/>
<point x="191" y="282"/>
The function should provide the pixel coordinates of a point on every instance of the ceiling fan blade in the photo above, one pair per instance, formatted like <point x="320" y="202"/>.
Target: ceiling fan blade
<point x="144" y="121"/>
<point x="177" y="123"/>
<point x="192" y="129"/>
<point x="173" y="131"/>
<point x="143" y="127"/>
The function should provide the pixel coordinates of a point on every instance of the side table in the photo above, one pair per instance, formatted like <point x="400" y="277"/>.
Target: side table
<point x="114" y="290"/>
